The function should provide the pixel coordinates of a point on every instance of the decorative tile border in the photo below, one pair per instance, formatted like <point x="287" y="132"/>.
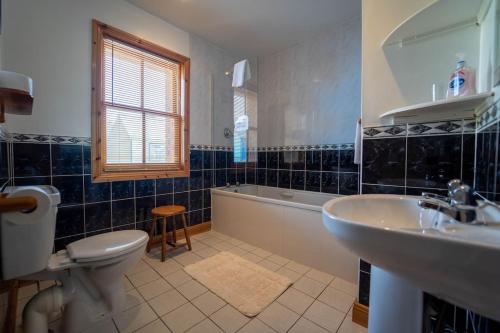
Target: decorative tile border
<point x="57" y="139"/>
<point x="418" y="129"/>
<point x="340" y="146"/>
<point x="385" y="131"/>
<point x="488" y="116"/>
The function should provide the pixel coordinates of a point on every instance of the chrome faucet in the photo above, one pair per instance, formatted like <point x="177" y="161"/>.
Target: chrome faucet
<point x="460" y="204"/>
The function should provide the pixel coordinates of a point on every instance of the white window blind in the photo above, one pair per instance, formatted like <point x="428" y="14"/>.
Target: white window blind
<point x="142" y="121"/>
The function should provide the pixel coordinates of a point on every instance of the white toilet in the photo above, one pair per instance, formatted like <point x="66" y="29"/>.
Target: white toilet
<point x="90" y="270"/>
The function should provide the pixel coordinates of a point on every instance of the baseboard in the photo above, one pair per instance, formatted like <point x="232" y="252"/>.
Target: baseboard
<point x="195" y="229"/>
<point x="360" y="314"/>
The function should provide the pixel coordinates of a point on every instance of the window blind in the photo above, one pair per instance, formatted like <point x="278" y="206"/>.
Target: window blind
<point x="142" y="121"/>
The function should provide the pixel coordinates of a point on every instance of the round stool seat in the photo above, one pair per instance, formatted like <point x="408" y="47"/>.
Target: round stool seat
<point x="168" y="210"/>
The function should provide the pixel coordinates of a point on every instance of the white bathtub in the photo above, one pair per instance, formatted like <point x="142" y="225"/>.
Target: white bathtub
<point x="285" y="222"/>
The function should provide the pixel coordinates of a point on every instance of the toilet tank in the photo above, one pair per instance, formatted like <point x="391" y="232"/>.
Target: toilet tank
<point x="27" y="238"/>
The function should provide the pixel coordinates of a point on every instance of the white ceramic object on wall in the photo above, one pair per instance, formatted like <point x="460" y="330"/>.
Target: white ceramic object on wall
<point x="453" y="261"/>
<point x="90" y="270"/>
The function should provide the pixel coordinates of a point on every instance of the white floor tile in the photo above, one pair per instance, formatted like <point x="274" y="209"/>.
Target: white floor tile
<point x="278" y="259"/>
<point x="256" y="326"/>
<point x="154" y="288"/>
<point x="167" y="302"/>
<point x="139" y="267"/>
<point x="309" y="286"/>
<point x="247" y="247"/>
<point x="229" y="319"/>
<point x="261" y="253"/>
<point x="168" y="267"/>
<point x="237" y="250"/>
<point x="251" y="257"/>
<point x="299" y="268"/>
<point x="295" y="300"/>
<point x="178" y="278"/>
<point x="320" y="276"/>
<point x="132" y="299"/>
<point x="269" y="265"/>
<point x="292" y="275"/>
<point x="141" y="278"/>
<point x="206" y="326"/>
<point x="134" y="318"/>
<point x="345" y="286"/>
<point x="192" y="289"/>
<point x="223" y="246"/>
<point x="183" y="318"/>
<point x="156" y="326"/>
<point x="207" y="252"/>
<point x="305" y="326"/>
<point x="187" y="258"/>
<point x="324" y="316"/>
<point x="208" y="303"/>
<point x="278" y="317"/>
<point x="348" y="326"/>
<point x="234" y="241"/>
<point x="336" y="299"/>
<point x="127" y="285"/>
<point x="211" y="241"/>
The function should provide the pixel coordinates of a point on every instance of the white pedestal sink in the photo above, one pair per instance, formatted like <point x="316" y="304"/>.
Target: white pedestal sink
<point x="416" y="249"/>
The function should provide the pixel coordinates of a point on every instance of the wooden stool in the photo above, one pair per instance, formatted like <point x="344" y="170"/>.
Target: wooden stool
<point x="164" y="212"/>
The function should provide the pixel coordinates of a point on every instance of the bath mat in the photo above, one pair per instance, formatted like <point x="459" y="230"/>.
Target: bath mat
<point x="246" y="286"/>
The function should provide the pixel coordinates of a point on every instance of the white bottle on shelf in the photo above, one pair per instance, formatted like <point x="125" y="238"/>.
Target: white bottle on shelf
<point x="462" y="81"/>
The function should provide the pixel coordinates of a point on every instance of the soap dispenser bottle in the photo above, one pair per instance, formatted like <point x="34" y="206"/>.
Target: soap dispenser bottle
<point x="462" y="81"/>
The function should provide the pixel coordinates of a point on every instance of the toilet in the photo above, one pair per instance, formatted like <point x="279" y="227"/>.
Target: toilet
<point x="90" y="270"/>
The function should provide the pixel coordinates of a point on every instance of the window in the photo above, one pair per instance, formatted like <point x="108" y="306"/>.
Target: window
<point x="140" y="108"/>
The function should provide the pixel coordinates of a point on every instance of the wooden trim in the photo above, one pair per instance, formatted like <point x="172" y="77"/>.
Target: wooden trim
<point x="103" y="172"/>
<point x="16" y="204"/>
<point x="360" y="314"/>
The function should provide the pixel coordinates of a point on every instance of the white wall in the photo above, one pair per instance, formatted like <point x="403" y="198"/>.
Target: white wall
<point x="211" y="92"/>
<point x="380" y="90"/>
<point x="50" y="41"/>
<point x="310" y="93"/>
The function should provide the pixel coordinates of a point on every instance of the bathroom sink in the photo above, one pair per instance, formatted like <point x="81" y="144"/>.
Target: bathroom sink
<point x="454" y="261"/>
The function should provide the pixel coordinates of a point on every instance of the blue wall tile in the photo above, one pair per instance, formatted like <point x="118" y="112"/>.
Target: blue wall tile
<point x="31" y="159"/>
<point x="122" y="189"/>
<point x="67" y="160"/>
<point x="96" y="192"/>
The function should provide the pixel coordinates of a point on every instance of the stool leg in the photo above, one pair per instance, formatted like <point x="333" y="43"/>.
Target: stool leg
<point x="186" y="234"/>
<point x="174" y="231"/>
<point x="152" y="232"/>
<point x="163" y="239"/>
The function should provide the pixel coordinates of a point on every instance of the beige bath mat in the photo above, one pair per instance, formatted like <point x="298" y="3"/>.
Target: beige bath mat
<point x="243" y="284"/>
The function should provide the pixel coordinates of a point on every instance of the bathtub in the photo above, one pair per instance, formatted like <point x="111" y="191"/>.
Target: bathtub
<point x="285" y="222"/>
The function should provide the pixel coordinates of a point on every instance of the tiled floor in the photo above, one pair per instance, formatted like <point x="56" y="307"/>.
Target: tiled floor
<point x="161" y="297"/>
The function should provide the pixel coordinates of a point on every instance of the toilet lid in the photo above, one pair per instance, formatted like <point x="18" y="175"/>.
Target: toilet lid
<point x="107" y="245"/>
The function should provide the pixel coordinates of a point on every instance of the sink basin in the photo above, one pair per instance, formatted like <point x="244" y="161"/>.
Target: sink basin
<point x="454" y="261"/>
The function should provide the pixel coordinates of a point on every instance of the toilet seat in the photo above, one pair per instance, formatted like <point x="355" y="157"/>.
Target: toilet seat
<point x="106" y="246"/>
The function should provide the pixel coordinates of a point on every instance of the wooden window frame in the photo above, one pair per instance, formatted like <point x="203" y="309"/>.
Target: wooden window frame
<point x="102" y="172"/>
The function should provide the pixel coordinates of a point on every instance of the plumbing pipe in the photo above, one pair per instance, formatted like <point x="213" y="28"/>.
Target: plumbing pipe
<point x="39" y="307"/>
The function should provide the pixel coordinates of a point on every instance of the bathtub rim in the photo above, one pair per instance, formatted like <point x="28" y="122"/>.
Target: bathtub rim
<point x="223" y="191"/>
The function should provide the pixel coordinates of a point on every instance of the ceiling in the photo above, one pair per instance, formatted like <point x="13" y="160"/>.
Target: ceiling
<point x="253" y="27"/>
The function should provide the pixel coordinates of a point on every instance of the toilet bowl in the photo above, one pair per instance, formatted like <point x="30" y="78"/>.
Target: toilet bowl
<point x="90" y="270"/>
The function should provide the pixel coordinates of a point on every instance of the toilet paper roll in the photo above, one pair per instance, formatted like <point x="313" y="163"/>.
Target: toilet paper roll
<point x="43" y="206"/>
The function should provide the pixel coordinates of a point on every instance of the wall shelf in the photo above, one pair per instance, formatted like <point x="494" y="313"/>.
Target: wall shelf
<point x="453" y="108"/>
<point x="437" y="18"/>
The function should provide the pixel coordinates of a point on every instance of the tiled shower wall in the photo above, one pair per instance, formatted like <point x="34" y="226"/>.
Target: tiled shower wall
<point x="326" y="168"/>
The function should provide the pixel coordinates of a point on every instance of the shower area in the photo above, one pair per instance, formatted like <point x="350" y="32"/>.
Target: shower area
<point x="227" y="112"/>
